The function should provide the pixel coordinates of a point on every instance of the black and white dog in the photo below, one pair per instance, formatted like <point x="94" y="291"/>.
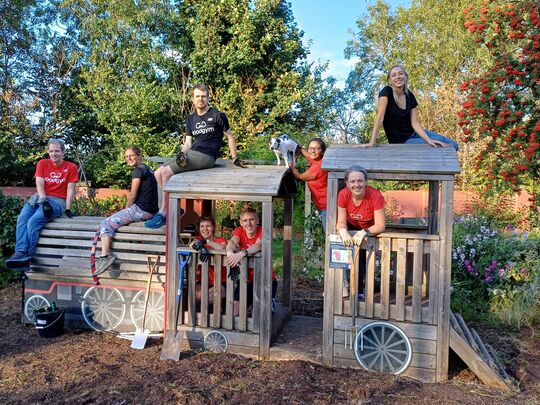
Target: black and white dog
<point x="285" y="146"/>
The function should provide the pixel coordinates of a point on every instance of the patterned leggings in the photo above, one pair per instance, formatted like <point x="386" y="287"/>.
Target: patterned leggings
<point x="128" y="215"/>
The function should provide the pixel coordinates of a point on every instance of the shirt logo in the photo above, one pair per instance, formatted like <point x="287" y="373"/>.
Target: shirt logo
<point x="200" y="125"/>
<point x="55" y="175"/>
<point x="357" y="217"/>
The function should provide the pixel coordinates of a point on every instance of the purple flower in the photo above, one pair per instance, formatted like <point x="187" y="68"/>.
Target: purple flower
<point x="523" y="270"/>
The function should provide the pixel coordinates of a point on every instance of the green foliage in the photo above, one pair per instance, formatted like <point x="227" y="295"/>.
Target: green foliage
<point x="312" y="260"/>
<point x="103" y="206"/>
<point x="493" y="271"/>
<point x="500" y="113"/>
<point x="412" y="37"/>
<point x="10" y="207"/>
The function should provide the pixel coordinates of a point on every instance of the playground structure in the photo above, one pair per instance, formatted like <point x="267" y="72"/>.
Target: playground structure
<point x="406" y="303"/>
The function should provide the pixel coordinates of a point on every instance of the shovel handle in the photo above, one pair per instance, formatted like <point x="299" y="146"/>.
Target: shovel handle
<point x="151" y="268"/>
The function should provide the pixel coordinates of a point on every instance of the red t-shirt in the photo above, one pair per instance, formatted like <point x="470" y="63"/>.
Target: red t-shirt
<point x="246" y="242"/>
<point x="57" y="178"/>
<point x="317" y="186"/>
<point x="211" y="267"/>
<point x="362" y="216"/>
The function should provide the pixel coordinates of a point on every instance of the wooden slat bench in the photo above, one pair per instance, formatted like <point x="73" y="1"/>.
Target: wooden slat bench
<point x="61" y="272"/>
<point x="64" y="247"/>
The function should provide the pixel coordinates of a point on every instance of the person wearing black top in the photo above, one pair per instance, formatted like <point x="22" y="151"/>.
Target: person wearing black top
<point x="141" y="206"/>
<point x="397" y="113"/>
<point x="204" y="132"/>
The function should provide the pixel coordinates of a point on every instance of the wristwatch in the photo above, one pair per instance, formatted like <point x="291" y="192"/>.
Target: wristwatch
<point x="246" y="252"/>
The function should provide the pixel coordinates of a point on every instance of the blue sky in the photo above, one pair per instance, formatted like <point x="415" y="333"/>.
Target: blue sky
<point x="327" y="23"/>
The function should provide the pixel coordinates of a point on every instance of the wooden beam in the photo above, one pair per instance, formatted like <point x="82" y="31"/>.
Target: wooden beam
<point x="266" y="280"/>
<point x="287" y="252"/>
<point x="329" y="284"/>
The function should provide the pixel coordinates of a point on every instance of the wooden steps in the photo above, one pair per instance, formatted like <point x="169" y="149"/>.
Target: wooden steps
<point x="479" y="356"/>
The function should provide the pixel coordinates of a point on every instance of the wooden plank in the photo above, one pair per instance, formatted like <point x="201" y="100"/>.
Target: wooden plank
<point x="256" y="312"/>
<point x="205" y="291"/>
<point x="412" y="330"/>
<point x="475" y="362"/>
<point x="192" y="309"/>
<point x="371" y="250"/>
<point x="171" y="284"/>
<point x="433" y="281"/>
<point x="329" y="280"/>
<point x="419" y="360"/>
<point x="339" y="276"/>
<point x="216" y="315"/>
<point x="433" y="207"/>
<point x="418" y="345"/>
<point x="266" y="280"/>
<point x="228" y="321"/>
<point x="287" y="252"/>
<point x="243" y="294"/>
<point x="400" y="279"/>
<point x="418" y="253"/>
<point x="443" y="318"/>
<point x="384" y="244"/>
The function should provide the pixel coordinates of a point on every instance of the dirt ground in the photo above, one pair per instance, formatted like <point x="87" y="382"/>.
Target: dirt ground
<point x="84" y="367"/>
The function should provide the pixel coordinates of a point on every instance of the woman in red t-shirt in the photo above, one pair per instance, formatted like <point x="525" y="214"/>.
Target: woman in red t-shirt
<point x="315" y="177"/>
<point x="206" y="226"/>
<point x="360" y="207"/>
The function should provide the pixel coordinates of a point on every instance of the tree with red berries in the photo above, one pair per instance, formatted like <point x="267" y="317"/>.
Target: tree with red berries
<point x="501" y="111"/>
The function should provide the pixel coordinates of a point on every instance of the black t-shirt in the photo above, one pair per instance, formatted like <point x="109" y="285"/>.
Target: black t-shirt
<point x="207" y="131"/>
<point x="147" y="195"/>
<point x="397" y="122"/>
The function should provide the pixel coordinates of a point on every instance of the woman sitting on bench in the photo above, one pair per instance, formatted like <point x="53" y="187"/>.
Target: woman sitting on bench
<point x="142" y="204"/>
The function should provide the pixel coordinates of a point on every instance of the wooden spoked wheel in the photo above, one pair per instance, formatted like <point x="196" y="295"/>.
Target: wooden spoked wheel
<point x="33" y="303"/>
<point x="154" y="311"/>
<point x="216" y="342"/>
<point x="103" y="308"/>
<point x="382" y="346"/>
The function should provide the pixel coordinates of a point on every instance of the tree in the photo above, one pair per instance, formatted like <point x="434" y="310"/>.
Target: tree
<point x="251" y="55"/>
<point x="501" y="111"/>
<point x="427" y="39"/>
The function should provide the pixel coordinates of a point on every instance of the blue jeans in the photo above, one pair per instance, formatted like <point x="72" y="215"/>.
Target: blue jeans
<point x="416" y="139"/>
<point x="31" y="220"/>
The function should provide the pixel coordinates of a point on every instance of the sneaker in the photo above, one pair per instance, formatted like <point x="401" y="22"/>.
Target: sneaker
<point x="104" y="263"/>
<point x="345" y="292"/>
<point x="157" y="221"/>
<point x="19" y="261"/>
<point x="273" y="305"/>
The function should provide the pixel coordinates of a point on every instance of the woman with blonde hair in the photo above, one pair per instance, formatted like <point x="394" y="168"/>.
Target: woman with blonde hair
<point x="397" y="113"/>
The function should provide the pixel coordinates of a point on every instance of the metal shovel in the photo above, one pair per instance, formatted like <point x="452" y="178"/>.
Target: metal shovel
<point x="141" y="334"/>
<point x="173" y="339"/>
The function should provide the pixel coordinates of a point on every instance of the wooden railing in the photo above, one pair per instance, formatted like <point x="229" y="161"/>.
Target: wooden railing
<point x="205" y="306"/>
<point x="401" y="279"/>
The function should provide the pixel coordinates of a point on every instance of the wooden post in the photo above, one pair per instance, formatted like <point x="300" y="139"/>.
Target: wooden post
<point x="329" y="285"/>
<point x="171" y="281"/>
<point x="287" y="252"/>
<point x="443" y="316"/>
<point x="266" y="280"/>
<point x="433" y="207"/>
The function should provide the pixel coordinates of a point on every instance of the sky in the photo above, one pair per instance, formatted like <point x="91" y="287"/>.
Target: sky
<point x="327" y="23"/>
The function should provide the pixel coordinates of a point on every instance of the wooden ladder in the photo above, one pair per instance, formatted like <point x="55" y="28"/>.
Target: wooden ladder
<point x="479" y="356"/>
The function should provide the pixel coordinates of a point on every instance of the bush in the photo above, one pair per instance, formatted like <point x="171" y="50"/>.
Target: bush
<point x="102" y="207"/>
<point x="10" y="207"/>
<point x="495" y="272"/>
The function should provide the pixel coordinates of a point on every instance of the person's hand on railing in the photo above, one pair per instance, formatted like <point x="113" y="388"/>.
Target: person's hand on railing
<point x="198" y="244"/>
<point x="345" y="236"/>
<point x="359" y="237"/>
<point x="204" y="254"/>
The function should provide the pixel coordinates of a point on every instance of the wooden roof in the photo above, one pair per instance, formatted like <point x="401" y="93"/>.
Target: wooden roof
<point x="258" y="182"/>
<point x="399" y="160"/>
